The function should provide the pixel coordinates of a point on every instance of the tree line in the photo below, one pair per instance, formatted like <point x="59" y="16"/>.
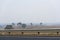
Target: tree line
<point x="23" y="25"/>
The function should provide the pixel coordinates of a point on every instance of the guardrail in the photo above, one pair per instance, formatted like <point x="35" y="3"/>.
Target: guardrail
<point x="46" y="32"/>
<point x="28" y="33"/>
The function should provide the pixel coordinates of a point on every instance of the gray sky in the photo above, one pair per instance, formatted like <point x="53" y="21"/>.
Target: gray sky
<point x="36" y="11"/>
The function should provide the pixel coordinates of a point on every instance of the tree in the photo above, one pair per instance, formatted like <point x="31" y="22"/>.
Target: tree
<point x="31" y="23"/>
<point x="23" y="25"/>
<point x="19" y="23"/>
<point x="0" y="26"/>
<point x="13" y="23"/>
<point x="8" y="27"/>
<point x="41" y="23"/>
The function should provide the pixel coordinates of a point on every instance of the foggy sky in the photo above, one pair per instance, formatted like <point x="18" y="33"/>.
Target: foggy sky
<point x="27" y="11"/>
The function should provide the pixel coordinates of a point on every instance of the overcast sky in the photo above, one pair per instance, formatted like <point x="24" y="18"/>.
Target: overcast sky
<point x="27" y="11"/>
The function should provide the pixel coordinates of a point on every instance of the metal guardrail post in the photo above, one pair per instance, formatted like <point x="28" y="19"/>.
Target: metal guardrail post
<point x="57" y="33"/>
<point x="38" y="33"/>
<point x="9" y="33"/>
<point x="22" y="33"/>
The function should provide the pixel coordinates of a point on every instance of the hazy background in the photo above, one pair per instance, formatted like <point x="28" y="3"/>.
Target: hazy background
<point x="27" y="11"/>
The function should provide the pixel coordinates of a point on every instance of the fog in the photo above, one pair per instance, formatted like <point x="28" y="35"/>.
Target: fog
<point x="27" y="11"/>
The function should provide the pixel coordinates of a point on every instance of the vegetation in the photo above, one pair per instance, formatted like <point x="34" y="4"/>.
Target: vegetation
<point x="13" y="23"/>
<point x="8" y="27"/>
<point x="31" y="23"/>
<point x="23" y="25"/>
<point x="19" y="23"/>
<point x="41" y="23"/>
